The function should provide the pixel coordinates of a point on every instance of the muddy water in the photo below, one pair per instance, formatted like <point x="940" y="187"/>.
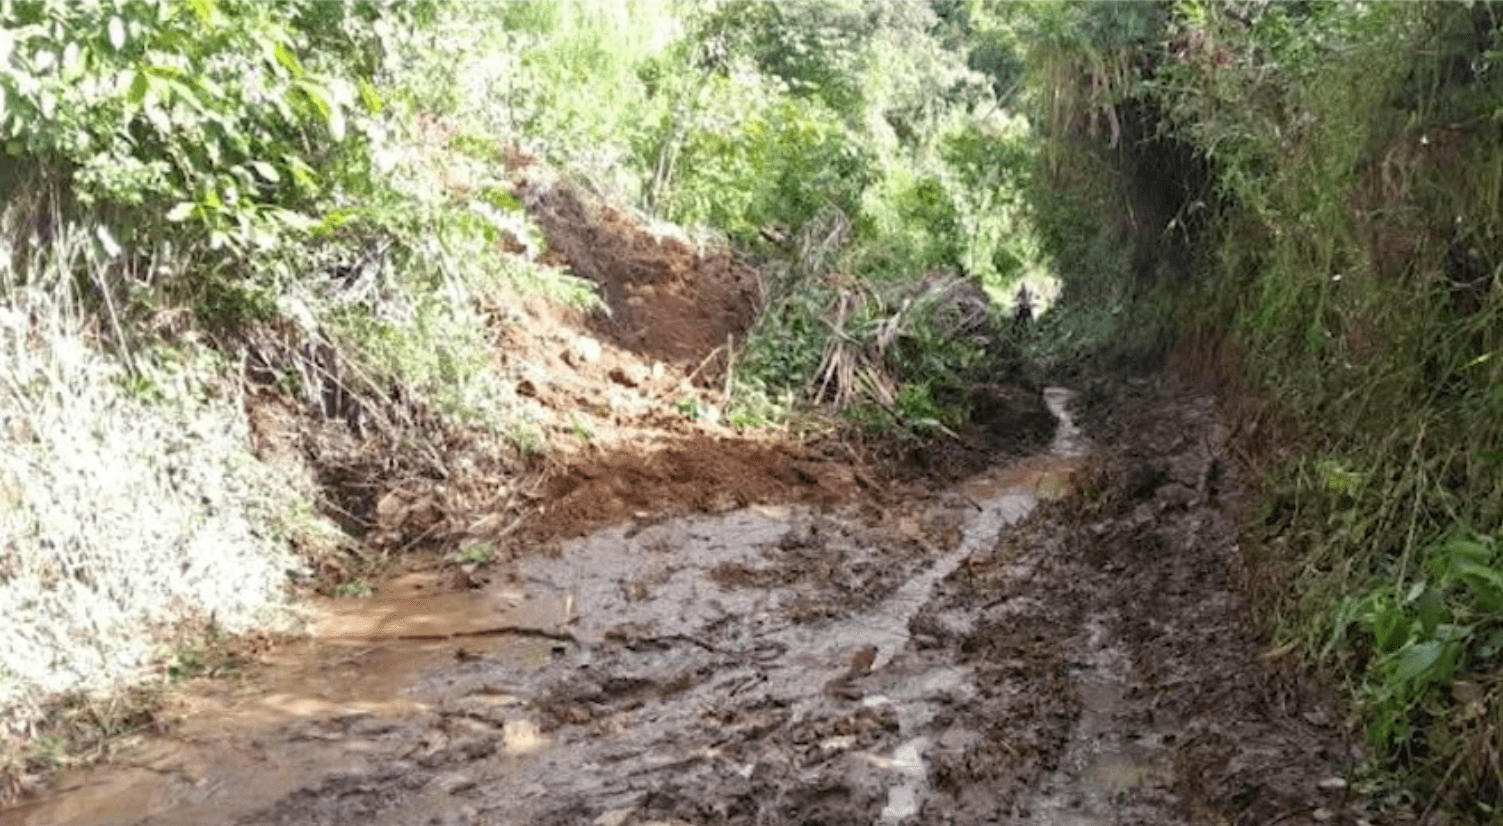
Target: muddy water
<point x="764" y="666"/>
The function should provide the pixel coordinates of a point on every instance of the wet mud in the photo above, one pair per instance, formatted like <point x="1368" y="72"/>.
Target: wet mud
<point x="1056" y="641"/>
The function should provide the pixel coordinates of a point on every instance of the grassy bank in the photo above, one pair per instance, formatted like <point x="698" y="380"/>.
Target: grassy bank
<point x="1348" y="266"/>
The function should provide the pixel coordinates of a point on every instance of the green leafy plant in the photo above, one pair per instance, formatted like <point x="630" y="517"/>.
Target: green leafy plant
<point x="1441" y="625"/>
<point x="477" y="554"/>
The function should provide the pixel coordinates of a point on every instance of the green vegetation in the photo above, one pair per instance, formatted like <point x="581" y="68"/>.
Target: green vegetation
<point x="1358" y="272"/>
<point x="209" y="199"/>
<point x="1349" y="250"/>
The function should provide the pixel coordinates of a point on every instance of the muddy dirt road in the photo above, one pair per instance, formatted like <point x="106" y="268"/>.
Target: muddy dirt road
<point x="1055" y="641"/>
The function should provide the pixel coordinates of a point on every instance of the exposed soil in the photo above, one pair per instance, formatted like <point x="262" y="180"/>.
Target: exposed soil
<point x="668" y="300"/>
<point x="1059" y="640"/>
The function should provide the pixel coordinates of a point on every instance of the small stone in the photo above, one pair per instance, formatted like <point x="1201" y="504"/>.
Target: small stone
<point x="624" y="377"/>
<point x="1322" y="814"/>
<point x="1332" y="784"/>
<point x="453" y="783"/>
<point x="585" y="350"/>
<point x="1318" y="717"/>
<point x="522" y="736"/>
<point x="614" y="817"/>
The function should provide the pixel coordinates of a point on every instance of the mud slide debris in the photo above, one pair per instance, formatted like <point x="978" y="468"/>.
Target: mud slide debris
<point x="952" y="660"/>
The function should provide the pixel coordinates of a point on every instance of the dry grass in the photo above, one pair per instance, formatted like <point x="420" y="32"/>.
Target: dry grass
<point x="128" y="501"/>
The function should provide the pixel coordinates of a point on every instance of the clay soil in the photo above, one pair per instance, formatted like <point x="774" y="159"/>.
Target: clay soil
<point x="1093" y="663"/>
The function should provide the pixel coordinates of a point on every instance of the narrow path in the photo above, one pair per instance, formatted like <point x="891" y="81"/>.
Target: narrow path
<point x="953" y="660"/>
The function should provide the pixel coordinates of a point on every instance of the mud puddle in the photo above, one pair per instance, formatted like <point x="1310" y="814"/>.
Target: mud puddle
<point x="619" y="678"/>
<point x="946" y="661"/>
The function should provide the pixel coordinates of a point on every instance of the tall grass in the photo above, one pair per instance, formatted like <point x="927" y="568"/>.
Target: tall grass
<point x="1359" y="276"/>
<point x="128" y="502"/>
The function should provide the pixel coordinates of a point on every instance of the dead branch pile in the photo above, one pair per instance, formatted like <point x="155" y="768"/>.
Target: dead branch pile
<point x="388" y="468"/>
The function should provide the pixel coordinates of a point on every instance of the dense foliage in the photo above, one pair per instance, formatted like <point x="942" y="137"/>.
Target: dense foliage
<point x="1341" y="170"/>
<point x="1312" y="187"/>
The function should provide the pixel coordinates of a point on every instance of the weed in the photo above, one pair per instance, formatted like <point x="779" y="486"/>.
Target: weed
<point x="354" y="589"/>
<point x="583" y="431"/>
<point x="526" y="436"/>
<point x="478" y="554"/>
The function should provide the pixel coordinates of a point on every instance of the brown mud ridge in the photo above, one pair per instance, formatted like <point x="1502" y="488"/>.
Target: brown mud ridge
<point x="1059" y="640"/>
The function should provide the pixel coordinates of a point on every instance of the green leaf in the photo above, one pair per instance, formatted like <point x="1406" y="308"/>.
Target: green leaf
<point x="317" y="96"/>
<point x="1418" y="661"/>
<point x="184" y="93"/>
<point x="138" y="87"/>
<point x="369" y="97"/>
<point x="1463" y="550"/>
<point x="117" y="33"/>
<point x="1390" y="628"/>
<point x="1432" y="612"/>
<point x="301" y="172"/>
<point x="203" y="10"/>
<point x="181" y="211"/>
<point x="288" y="59"/>
<point x="267" y="172"/>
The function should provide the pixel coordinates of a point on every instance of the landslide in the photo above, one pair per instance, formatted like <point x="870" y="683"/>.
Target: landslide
<point x="618" y="412"/>
<point x="616" y="417"/>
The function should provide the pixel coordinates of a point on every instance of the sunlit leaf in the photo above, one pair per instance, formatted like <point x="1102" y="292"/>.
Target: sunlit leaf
<point x="203" y="10"/>
<point x="336" y="124"/>
<point x="117" y="33"/>
<point x="301" y="172"/>
<point x="71" y="63"/>
<point x="369" y="97"/>
<point x="181" y="211"/>
<point x="177" y="91"/>
<point x="267" y="172"/>
<point x="288" y="59"/>
<point x="107" y="240"/>
<point x="316" y="96"/>
<point x="159" y="118"/>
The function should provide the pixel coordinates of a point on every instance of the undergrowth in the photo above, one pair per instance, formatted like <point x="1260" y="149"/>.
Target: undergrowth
<point x="1344" y="242"/>
<point x="1358" y="276"/>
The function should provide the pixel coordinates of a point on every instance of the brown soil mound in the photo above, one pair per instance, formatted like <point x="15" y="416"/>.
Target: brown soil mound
<point x="704" y="473"/>
<point x="668" y="300"/>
